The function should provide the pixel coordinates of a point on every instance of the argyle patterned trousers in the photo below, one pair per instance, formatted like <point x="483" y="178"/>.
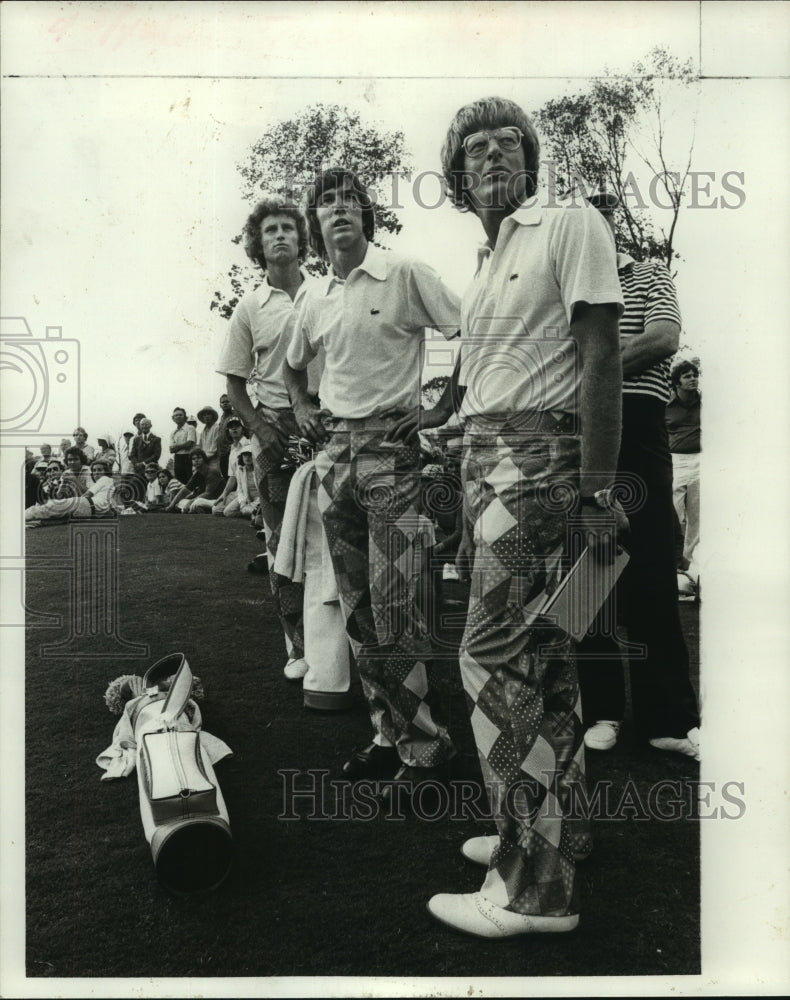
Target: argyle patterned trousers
<point x="520" y="679"/>
<point x="273" y="482"/>
<point x="368" y="495"/>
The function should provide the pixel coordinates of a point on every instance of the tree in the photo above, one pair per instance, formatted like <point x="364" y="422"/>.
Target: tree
<point x="432" y="389"/>
<point x="598" y="139"/>
<point x="290" y="153"/>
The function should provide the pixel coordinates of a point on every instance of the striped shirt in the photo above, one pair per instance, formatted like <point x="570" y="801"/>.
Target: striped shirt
<point x="649" y="295"/>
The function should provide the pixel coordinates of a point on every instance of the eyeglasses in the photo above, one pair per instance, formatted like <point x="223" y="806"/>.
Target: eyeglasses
<point x="508" y="138"/>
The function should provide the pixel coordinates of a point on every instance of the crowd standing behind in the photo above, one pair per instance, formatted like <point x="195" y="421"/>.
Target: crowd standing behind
<point x="144" y="477"/>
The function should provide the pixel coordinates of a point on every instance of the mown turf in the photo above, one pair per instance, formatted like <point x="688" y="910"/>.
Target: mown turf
<point x="307" y="896"/>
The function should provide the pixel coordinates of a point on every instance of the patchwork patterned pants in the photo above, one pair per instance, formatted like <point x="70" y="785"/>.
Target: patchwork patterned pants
<point x="519" y="678"/>
<point x="368" y="496"/>
<point x="273" y="485"/>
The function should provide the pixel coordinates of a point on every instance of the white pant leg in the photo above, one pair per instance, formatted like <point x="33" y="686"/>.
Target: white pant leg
<point x="326" y="646"/>
<point x="685" y="494"/>
<point x="232" y="505"/>
<point x="201" y="506"/>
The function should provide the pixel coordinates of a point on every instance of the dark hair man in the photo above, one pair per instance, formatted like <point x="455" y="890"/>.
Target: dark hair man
<point x="369" y="315"/>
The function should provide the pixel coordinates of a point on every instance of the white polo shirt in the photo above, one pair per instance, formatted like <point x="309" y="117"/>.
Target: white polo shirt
<point x="517" y="354"/>
<point x="258" y="337"/>
<point x="243" y="444"/>
<point x="372" y="326"/>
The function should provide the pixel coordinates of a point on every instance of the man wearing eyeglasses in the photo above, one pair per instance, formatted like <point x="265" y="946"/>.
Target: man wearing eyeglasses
<point x="540" y="363"/>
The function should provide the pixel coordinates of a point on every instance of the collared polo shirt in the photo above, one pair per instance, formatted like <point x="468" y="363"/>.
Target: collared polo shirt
<point x="684" y="425"/>
<point x="372" y="327"/>
<point x="649" y="295"/>
<point x="260" y="331"/>
<point x="208" y="439"/>
<point x="183" y="434"/>
<point x="517" y="352"/>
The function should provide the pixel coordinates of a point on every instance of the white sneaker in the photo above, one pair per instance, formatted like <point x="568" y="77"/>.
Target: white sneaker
<point x="690" y="745"/>
<point x="480" y="849"/>
<point x="473" y="914"/>
<point x="603" y="735"/>
<point x="295" y="670"/>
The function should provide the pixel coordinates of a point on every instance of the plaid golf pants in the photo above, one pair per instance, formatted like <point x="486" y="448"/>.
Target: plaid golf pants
<point x="273" y="482"/>
<point x="368" y="495"/>
<point x="520" y="679"/>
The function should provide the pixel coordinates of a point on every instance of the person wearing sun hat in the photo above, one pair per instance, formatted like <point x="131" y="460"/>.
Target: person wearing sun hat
<point x="208" y="438"/>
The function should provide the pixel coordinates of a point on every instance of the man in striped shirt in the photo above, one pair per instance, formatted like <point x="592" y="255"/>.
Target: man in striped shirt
<point x="664" y="703"/>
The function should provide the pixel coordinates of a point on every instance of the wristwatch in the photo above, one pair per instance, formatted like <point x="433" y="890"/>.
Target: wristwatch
<point x="602" y="499"/>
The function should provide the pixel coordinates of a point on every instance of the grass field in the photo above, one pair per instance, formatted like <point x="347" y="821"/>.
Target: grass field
<point x="306" y="897"/>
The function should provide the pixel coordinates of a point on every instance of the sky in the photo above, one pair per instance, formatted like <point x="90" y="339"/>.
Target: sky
<point x="122" y="124"/>
<point x="121" y="196"/>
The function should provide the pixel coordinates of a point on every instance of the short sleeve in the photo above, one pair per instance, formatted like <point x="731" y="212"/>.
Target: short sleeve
<point x="584" y="260"/>
<point x="662" y="298"/>
<point x="431" y="302"/>
<point x="237" y="352"/>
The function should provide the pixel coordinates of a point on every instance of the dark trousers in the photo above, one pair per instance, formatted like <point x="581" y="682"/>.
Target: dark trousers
<point x="645" y="599"/>
<point x="182" y="467"/>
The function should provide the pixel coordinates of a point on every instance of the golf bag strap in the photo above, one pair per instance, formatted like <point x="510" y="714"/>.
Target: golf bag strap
<point x="179" y="693"/>
<point x="163" y="669"/>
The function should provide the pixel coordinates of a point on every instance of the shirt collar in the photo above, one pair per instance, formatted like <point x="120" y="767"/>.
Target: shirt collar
<point x="624" y="260"/>
<point x="264" y="290"/>
<point x="528" y="214"/>
<point x="374" y="264"/>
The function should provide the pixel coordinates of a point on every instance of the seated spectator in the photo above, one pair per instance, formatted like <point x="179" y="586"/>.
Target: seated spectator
<point x="169" y="486"/>
<point x="80" y="441"/>
<point x="204" y="486"/>
<point x="247" y="498"/>
<point x="226" y="503"/>
<point x="161" y="487"/>
<point x="153" y="491"/>
<point x="97" y="498"/>
<point x="51" y="482"/>
<point x="76" y="479"/>
<point x="46" y="452"/>
<point x="65" y="444"/>
<point x="35" y="473"/>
